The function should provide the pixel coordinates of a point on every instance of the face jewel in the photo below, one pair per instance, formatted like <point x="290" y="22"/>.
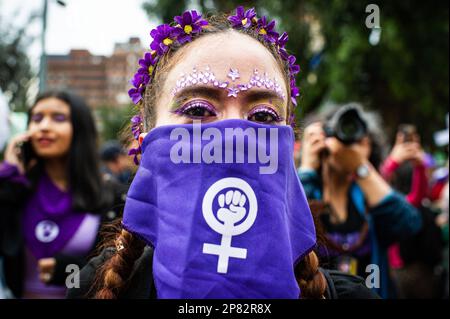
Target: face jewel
<point x="233" y="91"/>
<point x="233" y="74"/>
<point x="207" y="77"/>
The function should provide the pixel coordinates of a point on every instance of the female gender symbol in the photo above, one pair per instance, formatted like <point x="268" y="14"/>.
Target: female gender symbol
<point x="229" y="216"/>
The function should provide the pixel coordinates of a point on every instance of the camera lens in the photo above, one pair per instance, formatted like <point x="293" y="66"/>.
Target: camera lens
<point x="350" y="127"/>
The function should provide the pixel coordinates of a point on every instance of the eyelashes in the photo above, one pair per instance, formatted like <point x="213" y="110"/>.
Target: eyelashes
<point x="201" y="109"/>
<point x="196" y="109"/>
<point x="264" y="114"/>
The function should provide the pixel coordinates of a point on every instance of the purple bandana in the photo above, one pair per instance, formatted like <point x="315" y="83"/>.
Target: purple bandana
<point x="223" y="207"/>
<point x="49" y="221"/>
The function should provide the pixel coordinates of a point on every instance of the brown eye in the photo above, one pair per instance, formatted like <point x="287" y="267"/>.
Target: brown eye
<point x="197" y="112"/>
<point x="262" y="117"/>
<point x="197" y="109"/>
<point x="264" y="114"/>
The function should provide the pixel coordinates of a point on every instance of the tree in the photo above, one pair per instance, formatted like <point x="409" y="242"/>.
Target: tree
<point x="15" y="69"/>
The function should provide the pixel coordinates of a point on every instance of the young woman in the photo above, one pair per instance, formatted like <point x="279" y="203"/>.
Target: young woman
<point x="359" y="211"/>
<point x="205" y="218"/>
<point x="52" y="198"/>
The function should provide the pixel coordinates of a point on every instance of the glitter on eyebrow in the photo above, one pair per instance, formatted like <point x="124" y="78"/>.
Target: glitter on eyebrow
<point x="233" y="74"/>
<point x="207" y="77"/>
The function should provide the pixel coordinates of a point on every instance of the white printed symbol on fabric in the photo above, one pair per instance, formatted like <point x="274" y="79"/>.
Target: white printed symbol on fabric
<point x="232" y="210"/>
<point x="46" y="231"/>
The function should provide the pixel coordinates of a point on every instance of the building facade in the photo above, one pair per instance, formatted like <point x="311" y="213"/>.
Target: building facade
<point x="100" y="80"/>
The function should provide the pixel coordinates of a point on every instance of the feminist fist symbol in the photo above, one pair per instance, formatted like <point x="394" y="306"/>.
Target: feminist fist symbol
<point x="235" y="211"/>
<point x="232" y="210"/>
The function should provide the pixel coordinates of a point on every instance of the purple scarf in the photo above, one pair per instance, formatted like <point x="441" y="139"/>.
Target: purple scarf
<point x="223" y="222"/>
<point x="49" y="221"/>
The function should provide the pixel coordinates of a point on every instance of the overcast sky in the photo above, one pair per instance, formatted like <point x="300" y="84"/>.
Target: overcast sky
<point x="90" y="24"/>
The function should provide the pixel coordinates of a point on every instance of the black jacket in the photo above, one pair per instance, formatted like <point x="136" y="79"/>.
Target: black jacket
<point x="13" y="196"/>
<point x="141" y="285"/>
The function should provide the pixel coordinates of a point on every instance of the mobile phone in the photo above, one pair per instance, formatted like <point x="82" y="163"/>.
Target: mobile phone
<point x="408" y="131"/>
<point x="26" y="153"/>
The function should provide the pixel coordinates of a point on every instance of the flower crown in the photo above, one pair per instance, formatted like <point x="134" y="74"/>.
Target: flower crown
<point x="185" y="28"/>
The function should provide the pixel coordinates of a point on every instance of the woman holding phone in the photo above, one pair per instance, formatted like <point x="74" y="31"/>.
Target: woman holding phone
<point x="52" y="197"/>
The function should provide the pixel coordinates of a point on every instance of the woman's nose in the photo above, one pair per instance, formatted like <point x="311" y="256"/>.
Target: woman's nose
<point x="233" y="111"/>
<point x="45" y="123"/>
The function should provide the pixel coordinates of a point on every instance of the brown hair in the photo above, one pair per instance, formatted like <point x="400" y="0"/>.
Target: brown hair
<point x="112" y="277"/>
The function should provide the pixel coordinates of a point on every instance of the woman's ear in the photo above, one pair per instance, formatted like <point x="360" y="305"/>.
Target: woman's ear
<point x="141" y="137"/>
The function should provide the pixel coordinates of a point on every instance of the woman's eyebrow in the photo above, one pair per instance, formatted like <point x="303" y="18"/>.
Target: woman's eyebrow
<point x="211" y="92"/>
<point x="257" y="95"/>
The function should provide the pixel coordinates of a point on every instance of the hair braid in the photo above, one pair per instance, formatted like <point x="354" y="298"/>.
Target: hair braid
<point x="311" y="281"/>
<point x="115" y="272"/>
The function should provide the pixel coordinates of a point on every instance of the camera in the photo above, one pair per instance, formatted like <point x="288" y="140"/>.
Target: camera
<point x="408" y="131"/>
<point x="347" y="125"/>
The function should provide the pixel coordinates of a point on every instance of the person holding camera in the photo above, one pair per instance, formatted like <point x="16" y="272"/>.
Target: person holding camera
<point x="52" y="197"/>
<point x="359" y="211"/>
<point x="415" y="262"/>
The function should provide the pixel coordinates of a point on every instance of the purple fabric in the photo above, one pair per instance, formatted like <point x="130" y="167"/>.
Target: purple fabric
<point x="11" y="172"/>
<point x="49" y="221"/>
<point x="80" y="244"/>
<point x="349" y="239"/>
<point x="166" y="207"/>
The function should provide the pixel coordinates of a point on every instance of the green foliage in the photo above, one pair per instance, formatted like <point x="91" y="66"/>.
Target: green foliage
<point x="15" y="69"/>
<point x="404" y="77"/>
<point x="111" y="121"/>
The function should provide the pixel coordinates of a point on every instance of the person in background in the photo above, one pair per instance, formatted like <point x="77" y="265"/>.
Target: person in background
<point x="117" y="164"/>
<point x="415" y="262"/>
<point x="361" y="214"/>
<point x="52" y="197"/>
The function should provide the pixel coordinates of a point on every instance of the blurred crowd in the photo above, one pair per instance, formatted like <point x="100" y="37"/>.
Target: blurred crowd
<point x="373" y="204"/>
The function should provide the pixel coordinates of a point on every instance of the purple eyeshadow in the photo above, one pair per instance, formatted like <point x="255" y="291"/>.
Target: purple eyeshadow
<point x="37" y="117"/>
<point x="195" y="104"/>
<point x="59" y="117"/>
<point x="267" y="110"/>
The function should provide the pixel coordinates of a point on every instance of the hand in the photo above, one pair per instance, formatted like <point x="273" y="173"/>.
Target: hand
<point x="235" y="211"/>
<point x="312" y="144"/>
<point x="46" y="268"/>
<point x="13" y="151"/>
<point x="405" y="151"/>
<point x="349" y="158"/>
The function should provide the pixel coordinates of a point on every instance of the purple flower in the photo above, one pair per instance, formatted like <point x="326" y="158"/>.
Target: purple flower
<point x="135" y="94"/>
<point x="190" y="23"/>
<point x="281" y="43"/>
<point x="267" y="30"/>
<point x="294" y="91"/>
<point x="135" y="151"/>
<point x="163" y="36"/>
<point x="242" y="19"/>
<point x="136" y="122"/>
<point x="147" y="64"/>
<point x="293" y="68"/>
<point x="139" y="81"/>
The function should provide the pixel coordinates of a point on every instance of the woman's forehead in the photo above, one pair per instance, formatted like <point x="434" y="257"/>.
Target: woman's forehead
<point x="224" y="52"/>
<point x="51" y="104"/>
